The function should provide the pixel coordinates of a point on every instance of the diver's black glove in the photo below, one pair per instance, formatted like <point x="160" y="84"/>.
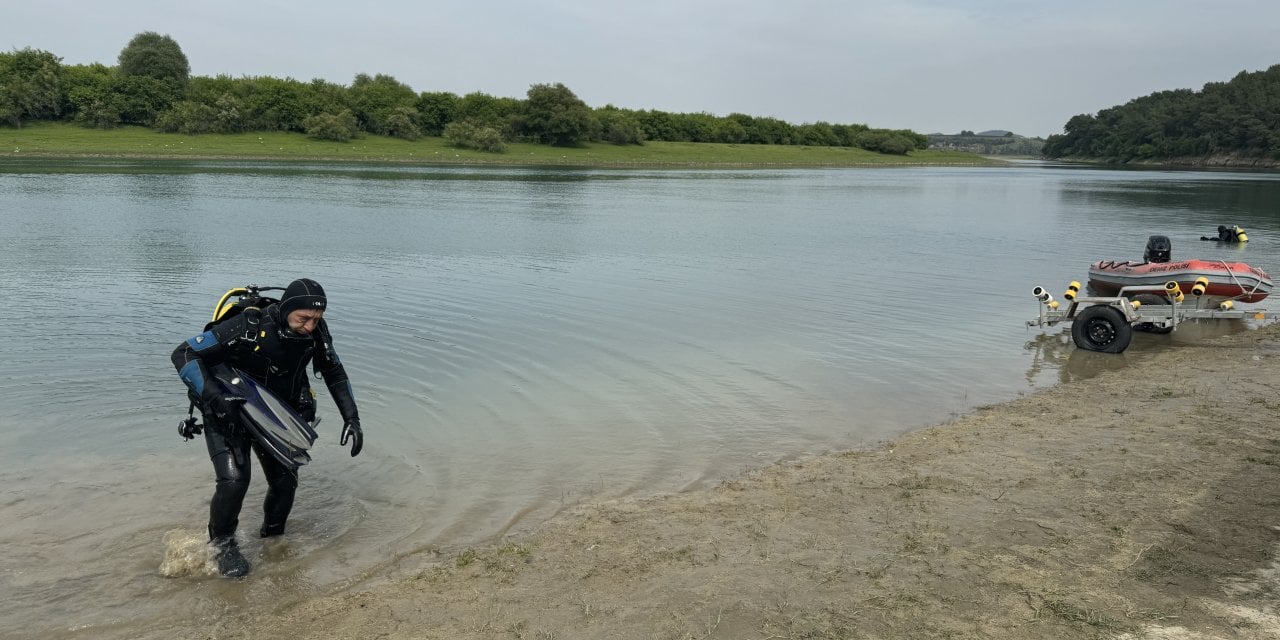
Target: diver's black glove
<point x="351" y="431"/>
<point x="221" y="405"/>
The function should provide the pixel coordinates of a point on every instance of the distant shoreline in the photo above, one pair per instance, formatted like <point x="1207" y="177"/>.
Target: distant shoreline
<point x="65" y="141"/>
<point x="1195" y="162"/>
<point x="1222" y="161"/>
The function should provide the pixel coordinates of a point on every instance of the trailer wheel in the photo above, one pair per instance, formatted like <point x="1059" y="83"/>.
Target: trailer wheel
<point x="1103" y="328"/>
<point x="1151" y="299"/>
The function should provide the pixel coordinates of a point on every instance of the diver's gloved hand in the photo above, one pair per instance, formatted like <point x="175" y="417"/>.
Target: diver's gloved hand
<point x="351" y="431"/>
<point x="223" y="405"/>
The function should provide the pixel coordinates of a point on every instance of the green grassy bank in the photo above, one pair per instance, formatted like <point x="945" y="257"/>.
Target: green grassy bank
<point x="66" y="140"/>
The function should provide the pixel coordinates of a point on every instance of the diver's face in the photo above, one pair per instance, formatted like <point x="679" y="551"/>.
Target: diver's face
<point x="304" y="321"/>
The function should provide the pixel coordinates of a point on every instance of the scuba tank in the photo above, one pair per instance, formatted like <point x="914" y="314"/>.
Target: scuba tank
<point x="248" y="299"/>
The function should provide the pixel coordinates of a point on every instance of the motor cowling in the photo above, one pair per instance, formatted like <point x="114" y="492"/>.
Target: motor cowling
<point x="1159" y="249"/>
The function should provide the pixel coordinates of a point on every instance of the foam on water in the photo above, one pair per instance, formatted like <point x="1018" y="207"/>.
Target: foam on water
<point x="187" y="553"/>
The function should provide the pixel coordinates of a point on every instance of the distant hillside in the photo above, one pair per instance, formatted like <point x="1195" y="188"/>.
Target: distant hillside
<point x="1234" y="123"/>
<point x="996" y="142"/>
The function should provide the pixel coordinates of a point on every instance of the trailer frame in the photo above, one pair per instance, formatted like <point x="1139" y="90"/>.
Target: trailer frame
<point x="1106" y="323"/>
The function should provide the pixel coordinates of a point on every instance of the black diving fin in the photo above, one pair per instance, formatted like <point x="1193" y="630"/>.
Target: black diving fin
<point x="280" y="430"/>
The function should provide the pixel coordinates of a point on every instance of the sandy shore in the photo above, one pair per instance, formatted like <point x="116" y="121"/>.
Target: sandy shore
<point x="1142" y="503"/>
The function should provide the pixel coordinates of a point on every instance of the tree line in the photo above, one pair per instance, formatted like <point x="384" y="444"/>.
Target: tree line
<point x="151" y="86"/>
<point x="1240" y="118"/>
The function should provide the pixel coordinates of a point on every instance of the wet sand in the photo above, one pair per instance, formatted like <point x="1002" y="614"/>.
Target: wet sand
<point x="1140" y="503"/>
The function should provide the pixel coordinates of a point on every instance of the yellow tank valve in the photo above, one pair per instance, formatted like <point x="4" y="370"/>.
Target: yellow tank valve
<point x="1240" y="235"/>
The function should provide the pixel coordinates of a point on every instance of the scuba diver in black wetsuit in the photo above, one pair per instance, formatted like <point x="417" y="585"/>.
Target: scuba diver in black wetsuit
<point x="273" y="346"/>
<point x="1230" y="234"/>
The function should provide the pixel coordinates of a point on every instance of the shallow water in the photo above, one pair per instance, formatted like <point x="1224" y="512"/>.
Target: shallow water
<point x="520" y="341"/>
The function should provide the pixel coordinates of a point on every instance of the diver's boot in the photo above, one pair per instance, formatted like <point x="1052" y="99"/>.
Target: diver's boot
<point x="271" y="530"/>
<point x="231" y="563"/>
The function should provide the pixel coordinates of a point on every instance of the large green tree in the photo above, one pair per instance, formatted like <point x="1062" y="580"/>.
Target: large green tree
<point x="151" y="77"/>
<point x="152" y="55"/>
<point x="384" y="106"/>
<point x="436" y="109"/>
<point x="555" y="116"/>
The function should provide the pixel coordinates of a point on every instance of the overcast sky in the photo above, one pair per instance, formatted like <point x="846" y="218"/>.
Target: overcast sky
<point x="927" y="65"/>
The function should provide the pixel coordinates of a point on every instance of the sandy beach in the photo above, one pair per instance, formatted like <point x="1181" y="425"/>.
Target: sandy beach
<point x="1141" y="503"/>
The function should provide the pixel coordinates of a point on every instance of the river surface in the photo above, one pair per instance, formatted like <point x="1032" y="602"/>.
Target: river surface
<point x="520" y="341"/>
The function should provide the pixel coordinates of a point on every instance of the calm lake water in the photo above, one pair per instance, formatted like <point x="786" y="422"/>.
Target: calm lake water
<point x="521" y="341"/>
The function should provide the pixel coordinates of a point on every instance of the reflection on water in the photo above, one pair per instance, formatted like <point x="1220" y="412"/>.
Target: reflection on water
<point x="1082" y="365"/>
<point x="520" y="341"/>
<point x="1198" y="331"/>
<point x="1053" y="353"/>
<point x="1049" y="351"/>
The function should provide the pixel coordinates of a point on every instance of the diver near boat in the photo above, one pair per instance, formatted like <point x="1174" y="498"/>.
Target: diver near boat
<point x="271" y="346"/>
<point x="1229" y="234"/>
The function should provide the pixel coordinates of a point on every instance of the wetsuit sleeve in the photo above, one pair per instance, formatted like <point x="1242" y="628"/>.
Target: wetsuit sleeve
<point x="328" y="365"/>
<point x="193" y="357"/>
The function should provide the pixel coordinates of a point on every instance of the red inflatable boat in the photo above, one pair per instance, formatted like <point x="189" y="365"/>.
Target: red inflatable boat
<point x="1227" y="280"/>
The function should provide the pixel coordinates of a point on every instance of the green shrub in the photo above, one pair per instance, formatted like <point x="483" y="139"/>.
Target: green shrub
<point x="466" y="134"/>
<point x="895" y="142"/>
<point x="402" y="124"/>
<point x="101" y="113"/>
<point x="188" y="117"/>
<point x="340" y="127"/>
<point x="619" y="127"/>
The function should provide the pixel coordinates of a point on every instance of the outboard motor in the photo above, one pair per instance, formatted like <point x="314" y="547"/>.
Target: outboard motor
<point x="1159" y="249"/>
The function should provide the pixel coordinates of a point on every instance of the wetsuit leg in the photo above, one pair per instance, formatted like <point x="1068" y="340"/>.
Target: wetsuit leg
<point x="282" y="483"/>
<point x="230" y="455"/>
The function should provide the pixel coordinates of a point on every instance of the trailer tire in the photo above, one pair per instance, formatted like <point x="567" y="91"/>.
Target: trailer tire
<point x="1102" y="328"/>
<point x="1151" y="327"/>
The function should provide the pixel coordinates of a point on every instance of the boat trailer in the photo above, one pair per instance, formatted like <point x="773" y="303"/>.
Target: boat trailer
<point x="1106" y="323"/>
